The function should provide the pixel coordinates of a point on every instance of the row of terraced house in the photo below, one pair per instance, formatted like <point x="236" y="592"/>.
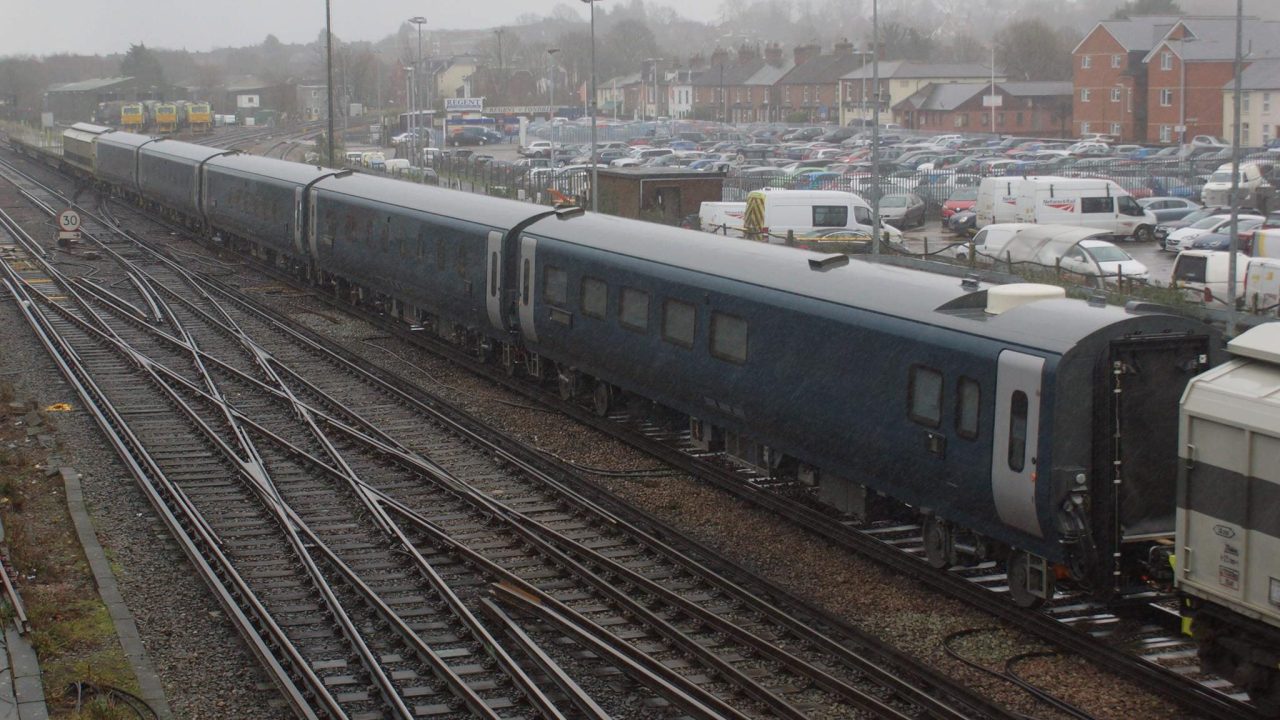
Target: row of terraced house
<point x="810" y="86"/>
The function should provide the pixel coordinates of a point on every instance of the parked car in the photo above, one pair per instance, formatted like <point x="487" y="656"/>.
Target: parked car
<point x="959" y="200"/>
<point x="1181" y="239"/>
<point x="537" y="148"/>
<point x="1221" y="239"/>
<point x="471" y="135"/>
<point x="1102" y="259"/>
<point x="1168" y="209"/>
<point x="902" y="210"/>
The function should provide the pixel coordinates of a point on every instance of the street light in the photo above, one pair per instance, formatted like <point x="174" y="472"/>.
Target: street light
<point x="875" y="127"/>
<point x="551" y="97"/>
<point x="595" y="173"/>
<point x="328" y="69"/>
<point x="1182" y="86"/>
<point x="417" y="83"/>
<point x="655" y="62"/>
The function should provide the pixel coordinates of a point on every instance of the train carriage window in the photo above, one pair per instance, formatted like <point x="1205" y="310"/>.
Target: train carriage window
<point x="1018" y="431"/>
<point x="924" y="396"/>
<point x="679" y="322"/>
<point x="555" y="286"/>
<point x="728" y="338"/>
<point x="830" y="215"/>
<point x="595" y="297"/>
<point x="493" y="274"/>
<point x="633" y="309"/>
<point x="524" y="283"/>
<point x="968" y="399"/>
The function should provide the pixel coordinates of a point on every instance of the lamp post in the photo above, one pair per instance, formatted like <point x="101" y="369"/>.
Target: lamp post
<point x="417" y="89"/>
<point x="408" y="101"/>
<point x="1182" y="87"/>
<point x="875" y="128"/>
<point x="328" y="69"/>
<point x="551" y="98"/>
<point x="595" y="174"/>
<point x="655" y="62"/>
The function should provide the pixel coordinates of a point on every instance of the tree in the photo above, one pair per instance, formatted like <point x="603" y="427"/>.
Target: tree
<point x="142" y="64"/>
<point x="1147" y="7"/>
<point x="901" y="42"/>
<point x="624" y="47"/>
<point x="1031" y="50"/>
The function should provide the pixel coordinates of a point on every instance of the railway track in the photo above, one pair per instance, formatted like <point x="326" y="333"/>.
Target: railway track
<point x="1143" y="643"/>
<point x="361" y="534"/>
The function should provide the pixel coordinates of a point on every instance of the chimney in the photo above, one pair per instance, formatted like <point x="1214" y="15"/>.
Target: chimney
<point x="805" y="53"/>
<point x="719" y="56"/>
<point x="844" y="48"/>
<point x="747" y="53"/>
<point x="773" y="54"/>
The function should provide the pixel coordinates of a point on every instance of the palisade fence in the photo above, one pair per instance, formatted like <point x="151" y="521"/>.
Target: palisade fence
<point x="1182" y="178"/>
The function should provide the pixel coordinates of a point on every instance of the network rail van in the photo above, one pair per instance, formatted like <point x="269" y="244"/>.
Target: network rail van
<point x="1094" y="203"/>
<point x="770" y="213"/>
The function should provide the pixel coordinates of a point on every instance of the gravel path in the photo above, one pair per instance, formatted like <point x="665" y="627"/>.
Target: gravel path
<point x="207" y="674"/>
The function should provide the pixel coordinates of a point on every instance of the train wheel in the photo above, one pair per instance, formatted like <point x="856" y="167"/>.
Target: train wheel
<point x="1024" y="573"/>
<point x="937" y="542"/>
<point x="602" y="398"/>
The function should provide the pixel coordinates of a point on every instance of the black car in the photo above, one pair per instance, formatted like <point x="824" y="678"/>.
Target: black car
<point x="964" y="222"/>
<point x="475" y="136"/>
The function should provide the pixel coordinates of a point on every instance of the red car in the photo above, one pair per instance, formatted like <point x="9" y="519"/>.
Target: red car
<point x="961" y="199"/>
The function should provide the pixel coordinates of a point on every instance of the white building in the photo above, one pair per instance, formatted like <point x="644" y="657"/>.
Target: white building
<point x="1259" y="103"/>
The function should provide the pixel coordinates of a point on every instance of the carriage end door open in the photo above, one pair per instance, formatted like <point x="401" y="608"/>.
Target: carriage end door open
<point x="1015" y="448"/>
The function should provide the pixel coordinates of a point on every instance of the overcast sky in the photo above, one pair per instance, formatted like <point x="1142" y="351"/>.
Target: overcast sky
<point x="43" y="27"/>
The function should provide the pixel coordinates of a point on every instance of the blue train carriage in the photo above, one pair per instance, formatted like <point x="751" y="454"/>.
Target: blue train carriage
<point x="989" y="411"/>
<point x="116" y="161"/>
<point x="78" y="153"/>
<point x="1228" y="545"/>
<point x="170" y="175"/>
<point x="254" y="204"/>
<point x="429" y="256"/>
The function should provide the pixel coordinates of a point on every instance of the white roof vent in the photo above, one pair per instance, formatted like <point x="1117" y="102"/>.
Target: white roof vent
<point x="1008" y="297"/>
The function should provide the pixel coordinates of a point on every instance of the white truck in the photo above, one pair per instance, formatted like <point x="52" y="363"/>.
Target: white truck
<point x="1093" y="203"/>
<point x="1253" y="184"/>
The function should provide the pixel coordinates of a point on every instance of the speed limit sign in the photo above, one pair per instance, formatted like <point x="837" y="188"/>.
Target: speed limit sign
<point x="68" y="220"/>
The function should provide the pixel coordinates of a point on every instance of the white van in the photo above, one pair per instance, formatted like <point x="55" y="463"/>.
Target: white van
<point x="396" y="166"/>
<point x="1085" y="202"/>
<point x="1253" y="178"/>
<point x="775" y="211"/>
<point x="1262" y="286"/>
<point x="998" y="200"/>
<point x="1203" y="274"/>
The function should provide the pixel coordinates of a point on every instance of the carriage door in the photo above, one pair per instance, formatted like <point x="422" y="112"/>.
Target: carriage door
<point x="1015" y="447"/>
<point x="528" y="274"/>
<point x="299" y="242"/>
<point x="493" y="280"/>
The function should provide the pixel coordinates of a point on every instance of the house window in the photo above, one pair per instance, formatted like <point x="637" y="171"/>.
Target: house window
<point x="679" y="322"/>
<point x="1266" y="103"/>
<point x="1115" y="94"/>
<point x="1086" y="62"/>
<point x="1115" y="129"/>
<point x="728" y="338"/>
<point x="1117" y="61"/>
<point x="806" y="94"/>
<point x="786" y="93"/>
<point x="1244" y="133"/>
<point x="1084" y="94"/>
<point x="1166" y="60"/>
<point x="1018" y="119"/>
<point x="1166" y="133"/>
<point x="1000" y="118"/>
<point x="984" y="119"/>
<point x="1166" y="97"/>
<point x="924" y="396"/>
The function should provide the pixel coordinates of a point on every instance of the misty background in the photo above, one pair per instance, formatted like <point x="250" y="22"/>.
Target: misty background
<point x="207" y="45"/>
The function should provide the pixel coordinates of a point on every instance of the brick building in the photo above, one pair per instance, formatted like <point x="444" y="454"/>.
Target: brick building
<point x="1109" y="76"/>
<point x="1188" y="67"/>
<point x="899" y="80"/>
<point x="1038" y="109"/>
<point x="812" y="88"/>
